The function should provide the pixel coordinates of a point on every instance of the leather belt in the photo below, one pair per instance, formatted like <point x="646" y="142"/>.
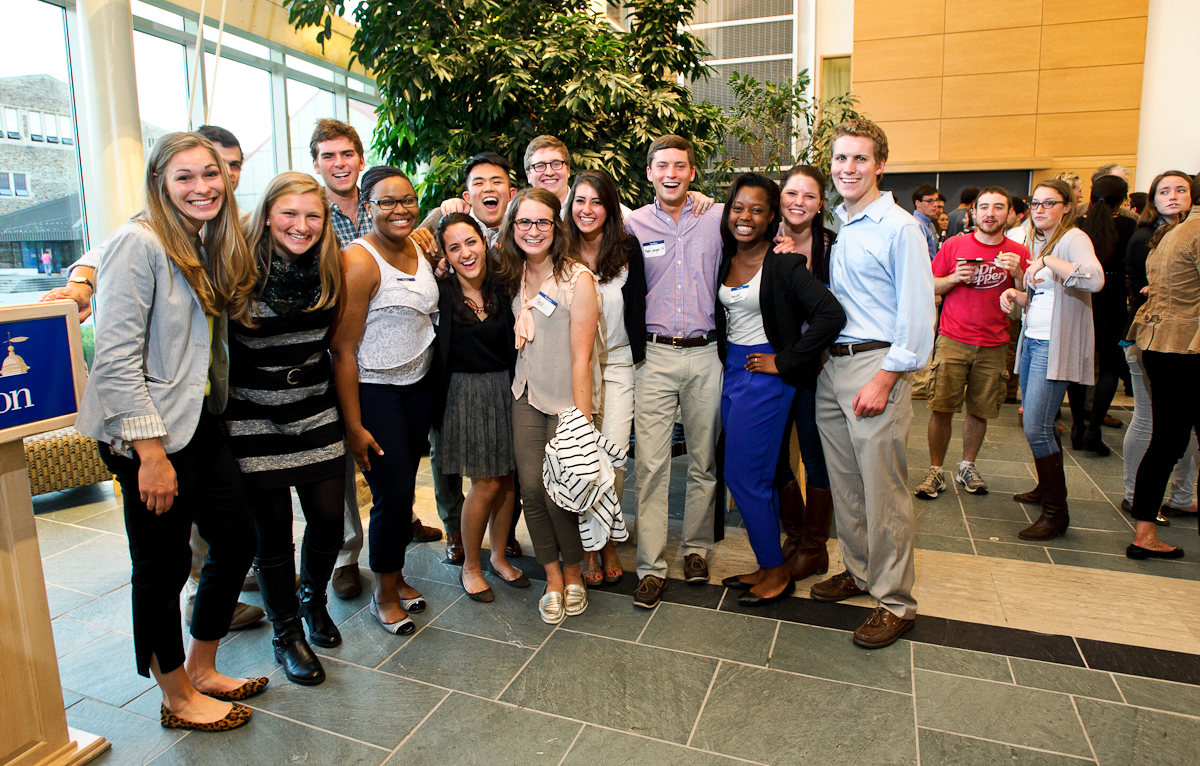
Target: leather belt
<point x="850" y="349"/>
<point x="682" y="342"/>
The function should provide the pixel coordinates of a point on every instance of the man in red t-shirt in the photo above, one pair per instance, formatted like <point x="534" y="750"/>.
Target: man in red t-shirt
<point x="969" y="358"/>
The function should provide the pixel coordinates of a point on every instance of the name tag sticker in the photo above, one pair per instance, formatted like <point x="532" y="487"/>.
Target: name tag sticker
<point x="406" y="279"/>
<point x="738" y="294"/>
<point x="543" y="304"/>
<point x="654" y="249"/>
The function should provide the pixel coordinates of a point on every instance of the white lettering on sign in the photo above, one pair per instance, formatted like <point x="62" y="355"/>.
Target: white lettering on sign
<point x="12" y="400"/>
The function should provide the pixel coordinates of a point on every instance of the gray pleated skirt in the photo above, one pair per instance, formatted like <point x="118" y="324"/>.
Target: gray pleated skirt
<point x="477" y="427"/>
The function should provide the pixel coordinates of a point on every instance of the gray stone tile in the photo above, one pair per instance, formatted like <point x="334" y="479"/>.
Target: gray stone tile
<point x="1128" y="736"/>
<point x="113" y="610"/>
<point x="1097" y="514"/>
<point x="1010" y="551"/>
<point x="134" y="740"/>
<point x="612" y="748"/>
<point x="1005" y="434"/>
<point x="995" y="505"/>
<point x="831" y="654"/>
<point x="1018" y="469"/>
<point x="628" y="688"/>
<point x="498" y="735"/>
<point x="97" y="566"/>
<point x="61" y="600"/>
<point x="940" y="516"/>
<point x="146" y="704"/>
<point x="54" y="537"/>
<point x="363" y="704"/>
<point x="1064" y="678"/>
<point x="1181" y="568"/>
<point x="930" y="542"/>
<point x="70" y="635"/>
<point x="751" y="714"/>
<point x="961" y="662"/>
<point x="941" y="749"/>
<point x="428" y="562"/>
<point x="111" y="521"/>
<point x="248" y="653"/>
<point x="1074" y="539"/>
<point x="118" y="684"/>
<point x="1007" y="486"/>
<point x="611" y="615"/>
<point x="736" y="637"/>
<point x="512" y="617"/>
<point x="365" y="642"/>
<point x="270" y="741"/>
<point x="70" y="698"/>
<point x="1161" y="695"/>
<point x="999" y="712"/>
<point x="464" y="663"/>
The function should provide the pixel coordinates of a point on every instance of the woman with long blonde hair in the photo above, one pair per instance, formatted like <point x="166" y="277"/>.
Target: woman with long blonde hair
<point x="283" y="419"/>
<point x="171" y="278"/>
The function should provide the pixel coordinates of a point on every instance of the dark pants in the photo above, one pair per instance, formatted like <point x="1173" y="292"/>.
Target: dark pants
<point x="323" y="503"/>
<point x="398" y="417"/>
<point x="803" y="416"/>
<point x="1176" y="411"/>
<point x="211" y="494"/>
<point x="555" y="532"/>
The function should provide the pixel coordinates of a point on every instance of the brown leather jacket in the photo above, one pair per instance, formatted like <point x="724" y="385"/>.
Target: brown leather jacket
<point x="1169" y="322"/>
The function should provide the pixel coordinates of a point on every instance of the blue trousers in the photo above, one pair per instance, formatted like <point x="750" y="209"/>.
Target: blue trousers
<point x="1040" y="398"/>
<point x="754" y="412"/>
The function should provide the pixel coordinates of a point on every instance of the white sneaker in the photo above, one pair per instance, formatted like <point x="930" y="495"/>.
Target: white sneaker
<point x="968" y="476"/>
<point x="934" y="483"/>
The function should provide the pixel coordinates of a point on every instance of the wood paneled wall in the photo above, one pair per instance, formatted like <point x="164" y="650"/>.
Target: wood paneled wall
<point x="1049" y="85"/>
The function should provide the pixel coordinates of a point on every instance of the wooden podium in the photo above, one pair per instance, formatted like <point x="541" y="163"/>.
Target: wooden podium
<point x="41" y="381"/>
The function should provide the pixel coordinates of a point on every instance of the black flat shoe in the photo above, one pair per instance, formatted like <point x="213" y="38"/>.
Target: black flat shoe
<point x="517" y="582"/>
<point x="484" y="596"/>
<point x="749" y="599"/>
<point x="1138" y="552"/>
<point x="736" y="583"/>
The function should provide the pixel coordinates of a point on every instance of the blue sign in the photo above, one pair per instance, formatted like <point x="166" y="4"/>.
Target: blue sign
<point x="36" y="378"/>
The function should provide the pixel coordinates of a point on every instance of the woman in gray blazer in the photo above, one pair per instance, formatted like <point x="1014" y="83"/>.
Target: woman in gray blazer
<point x="167" y="283"/>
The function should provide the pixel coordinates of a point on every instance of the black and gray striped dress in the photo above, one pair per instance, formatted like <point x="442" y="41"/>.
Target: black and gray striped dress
<point x="283" y="419"/>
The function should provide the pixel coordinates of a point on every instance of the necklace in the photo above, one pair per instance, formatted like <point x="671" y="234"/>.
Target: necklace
<point x="480" y="311"/>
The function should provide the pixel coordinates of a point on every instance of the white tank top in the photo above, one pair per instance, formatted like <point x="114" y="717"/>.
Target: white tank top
<point x="743" y="312"/>
<point x="397" y="342"/>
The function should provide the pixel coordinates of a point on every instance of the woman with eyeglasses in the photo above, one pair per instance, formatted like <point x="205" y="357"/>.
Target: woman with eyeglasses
<point x="557" y="368"/>
<point x="1057" y="343"/>
<point x="382" y="351"/>
<point x="1169" y="200"/>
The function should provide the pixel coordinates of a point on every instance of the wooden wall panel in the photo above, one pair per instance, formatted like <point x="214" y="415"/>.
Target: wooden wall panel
<point x="1094" y="43"/>
<point x="988" y="137"/>
<point x="1000" y="50"/>
<point x="1087" y="133"/>
<point x="912" y="140"/>
<point x="887" y="19"/>
<point x="892" y="59"/>
<point x="892" y="100"/>
<point x="972" y="16"/>
<point x="1068" y="11"/>
<point x="1094" y="89"/>
<point x="990" y="94"/>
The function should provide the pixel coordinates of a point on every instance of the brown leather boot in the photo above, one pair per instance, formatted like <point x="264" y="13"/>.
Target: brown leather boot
<point x="1034" y="496"/>
<point x="1053" y="482"/>
<point x="791" y="517"/>
<point x="812" y="557"/>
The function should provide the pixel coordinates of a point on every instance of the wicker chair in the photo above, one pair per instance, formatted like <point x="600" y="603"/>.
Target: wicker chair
<point x="61" y="460"/>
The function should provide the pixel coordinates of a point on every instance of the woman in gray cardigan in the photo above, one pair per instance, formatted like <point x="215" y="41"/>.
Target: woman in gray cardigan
<point x="1057" y="343"/>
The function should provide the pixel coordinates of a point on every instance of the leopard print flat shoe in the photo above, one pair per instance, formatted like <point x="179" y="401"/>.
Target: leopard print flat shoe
<point x="239" y="716"/>
<point x="248" y="689"/>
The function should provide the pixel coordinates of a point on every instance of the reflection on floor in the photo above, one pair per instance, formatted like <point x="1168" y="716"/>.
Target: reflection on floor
<point x="1050" y="654"/>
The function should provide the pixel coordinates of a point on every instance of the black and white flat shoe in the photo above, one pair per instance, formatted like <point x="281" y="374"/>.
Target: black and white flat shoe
<point x="401" y="628"/>
<point x="413" y="605"/>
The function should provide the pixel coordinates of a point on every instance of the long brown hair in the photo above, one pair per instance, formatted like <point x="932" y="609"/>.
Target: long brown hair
<point x="612" y="256"/>
<point x="1064" y="190"/>
<point x="1150" y="214"/>
<point x="816" y="262"/>
<point x="224" y="281"/>
<point x="512" y="258"/>
<point x="329" y="255"/>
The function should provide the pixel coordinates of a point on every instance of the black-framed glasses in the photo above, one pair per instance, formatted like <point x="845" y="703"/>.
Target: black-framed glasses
<point x="390" y="204"/>
<point x="539" y="167"/>
<point x="1045" y="204"/>
<point x="524" y="224"/>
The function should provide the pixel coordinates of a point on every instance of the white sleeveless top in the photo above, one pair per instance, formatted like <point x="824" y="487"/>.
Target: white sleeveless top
<point x="743" y="312"/>
<point x="397" y="341"/>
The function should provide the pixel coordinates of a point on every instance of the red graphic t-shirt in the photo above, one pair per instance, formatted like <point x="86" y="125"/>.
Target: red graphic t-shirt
<point x="971" y="311"/>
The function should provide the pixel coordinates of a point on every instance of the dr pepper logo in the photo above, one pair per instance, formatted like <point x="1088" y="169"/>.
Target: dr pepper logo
<point x="987" y="276"/>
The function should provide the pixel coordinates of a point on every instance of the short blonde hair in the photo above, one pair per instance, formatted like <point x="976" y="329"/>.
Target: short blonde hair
<point x="860" y="128"/>
<point x="545" y="142"/>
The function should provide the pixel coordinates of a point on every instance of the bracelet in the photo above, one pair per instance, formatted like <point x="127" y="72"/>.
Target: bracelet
<point x="83" y="280"/>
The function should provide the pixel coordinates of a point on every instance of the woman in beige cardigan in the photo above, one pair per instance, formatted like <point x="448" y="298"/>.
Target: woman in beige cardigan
<point x="1057" y="343"/>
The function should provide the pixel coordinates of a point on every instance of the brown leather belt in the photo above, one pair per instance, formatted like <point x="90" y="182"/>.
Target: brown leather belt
<point x="850" y="349"/>
<point x="681" y="342"/>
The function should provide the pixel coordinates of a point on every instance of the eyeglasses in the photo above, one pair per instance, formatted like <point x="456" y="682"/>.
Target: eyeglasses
<point x="524" y="224"/>
<point x="390" y="204"/>
<point x="1047" y="204"/>
<point x="539" y="167"/>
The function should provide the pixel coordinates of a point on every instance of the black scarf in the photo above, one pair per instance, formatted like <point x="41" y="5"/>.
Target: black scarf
<point x="291" y="288"/>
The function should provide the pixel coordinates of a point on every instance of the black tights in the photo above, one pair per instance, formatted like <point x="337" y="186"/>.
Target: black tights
<point x="1106" y="388"/>
<point x="323" y="503"/>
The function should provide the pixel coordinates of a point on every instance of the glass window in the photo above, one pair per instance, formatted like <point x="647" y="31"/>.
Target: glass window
<point x="363" y="119"/>
<point x="21" y="184"/>
<point x="12" y="123"/>
<point x="306" y="105"/>
<point x="66" y="131"/>
<point x="241" y="103"/>
<point x="35" y="126"/>
<point x="236" y="42"/>
<point x="162" y="85"/>
<point x="300" y="65"/>
<point x="158" y="15"/>
<point x="50" y="123"/>
<point x="5" y="185"/>
<point x="835" y="77"/>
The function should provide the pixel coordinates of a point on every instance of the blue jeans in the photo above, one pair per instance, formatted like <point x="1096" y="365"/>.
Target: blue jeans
<point x="1040" y="398"/>
<point x="804" y="417"/>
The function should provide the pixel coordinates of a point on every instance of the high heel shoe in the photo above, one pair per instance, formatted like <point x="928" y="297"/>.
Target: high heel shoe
<point x="399" y="628"/>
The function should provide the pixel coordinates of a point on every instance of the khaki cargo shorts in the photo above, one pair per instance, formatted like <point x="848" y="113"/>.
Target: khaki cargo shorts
<point x="976" y="374"/>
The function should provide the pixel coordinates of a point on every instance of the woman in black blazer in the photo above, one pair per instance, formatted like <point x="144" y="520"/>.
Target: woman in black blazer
<point x="473" y="401"/>
<point x="764" y="301"/>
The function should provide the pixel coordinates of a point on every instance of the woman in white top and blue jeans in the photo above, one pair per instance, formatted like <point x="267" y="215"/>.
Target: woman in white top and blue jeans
<point x="1057" y="343"/>
<point x="382" y="351"/>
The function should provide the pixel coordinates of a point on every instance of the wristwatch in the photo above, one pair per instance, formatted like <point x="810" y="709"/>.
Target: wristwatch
<point x="85" y="281"/>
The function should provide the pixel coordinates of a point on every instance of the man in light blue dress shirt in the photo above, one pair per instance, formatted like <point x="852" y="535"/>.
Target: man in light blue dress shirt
<point x="879" y="271"/>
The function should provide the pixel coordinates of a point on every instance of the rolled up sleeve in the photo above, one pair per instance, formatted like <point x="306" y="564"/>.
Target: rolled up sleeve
<point x="912" y="341"/>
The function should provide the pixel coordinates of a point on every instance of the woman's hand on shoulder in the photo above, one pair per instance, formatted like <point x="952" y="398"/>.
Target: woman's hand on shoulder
<point x="784" y="244"/>
<point x="424" y="240"/>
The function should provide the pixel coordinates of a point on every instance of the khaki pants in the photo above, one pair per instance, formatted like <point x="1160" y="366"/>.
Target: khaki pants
<point x="868" y="476"/>
<point x="688" y="379"/>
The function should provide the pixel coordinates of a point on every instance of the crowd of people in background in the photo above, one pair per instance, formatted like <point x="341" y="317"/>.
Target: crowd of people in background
<point x="523" y="336"/>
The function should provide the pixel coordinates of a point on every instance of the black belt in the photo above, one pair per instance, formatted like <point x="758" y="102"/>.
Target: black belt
<point x="682" y="342"/>
<point x="850" y="349"/>
<point x="309" y="375"/>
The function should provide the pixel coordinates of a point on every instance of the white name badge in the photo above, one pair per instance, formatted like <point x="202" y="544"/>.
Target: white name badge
<point x="543" y="304"/>
<point x="654" y="249"/>
<point x="739" y="293"/>
<point x="406" y="279"/>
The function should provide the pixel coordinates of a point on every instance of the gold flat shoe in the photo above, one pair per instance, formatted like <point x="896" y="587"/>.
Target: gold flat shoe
<point x="576" y="600"/>
<point x="550" y="607"/>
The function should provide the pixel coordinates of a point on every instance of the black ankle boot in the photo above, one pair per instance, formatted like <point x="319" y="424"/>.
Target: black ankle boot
<point x="276" y="580"/>
<point x="315" y="569"/>
<point x="1093" y="443"/>
<point x="300" y="664"/>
